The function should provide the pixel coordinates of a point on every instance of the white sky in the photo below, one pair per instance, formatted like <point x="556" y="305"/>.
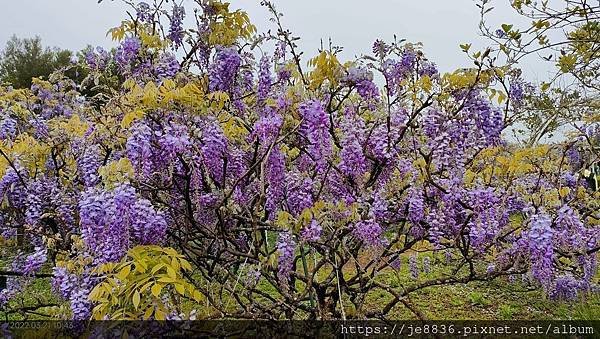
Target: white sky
<point x="441" y="25"/>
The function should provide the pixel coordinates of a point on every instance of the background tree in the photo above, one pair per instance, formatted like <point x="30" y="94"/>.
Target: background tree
<point x="23" y="59"/>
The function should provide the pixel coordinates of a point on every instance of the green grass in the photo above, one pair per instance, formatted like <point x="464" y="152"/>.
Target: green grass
<point x="498" y="299"/>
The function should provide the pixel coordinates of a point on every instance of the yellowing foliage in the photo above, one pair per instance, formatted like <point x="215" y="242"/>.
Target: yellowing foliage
<point x="116" y="172"/>
<point x="152" y="96"/>
<point x="227" y="26"/>
<point x="135" y="287"/>
<point x="326" y="68"/>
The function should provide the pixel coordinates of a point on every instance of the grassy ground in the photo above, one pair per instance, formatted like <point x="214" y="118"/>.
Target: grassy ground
<point x="499" y="299"/>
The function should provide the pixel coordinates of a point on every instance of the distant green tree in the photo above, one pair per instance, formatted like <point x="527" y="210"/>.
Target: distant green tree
<point x="24" y="59"/>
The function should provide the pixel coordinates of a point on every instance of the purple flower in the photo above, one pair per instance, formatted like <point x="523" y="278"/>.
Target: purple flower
<point x="416" y="209"/>
<point x="8" y="128"/>
<point x="176" y="31"/>
<point x="127" y="52"/>
<point x="89" y="164"/>
<point x="148" y="225"/>
<point x="63" y="282"/>
<point x="34" y="261"/>
<point x="167" y="67"/>
<point x="412" y="265"/>
<point x="299" y="193"/>
<point x="264" y="79"/>
<point x="353" y="161"/>
<point x="252" y="277"/>
<point x="97" y="59"/>
<point x="316" y="129"/>
<point x="369" y="232"/>
<point x="112" y="221"/>
<point x="139" y="148"/>
<point x="286" y="247"/>
<point x="565" y="288"/>
<point x="223" y="70"/>
<point x="541" y="248"/>
<point x="276" y="180"/>
<point x="426" y="265"/>
<point x="144" y="12"/>
<point x="214" y="149"/>
<point x="312" y="232"/>
<point x="380" y="49"/>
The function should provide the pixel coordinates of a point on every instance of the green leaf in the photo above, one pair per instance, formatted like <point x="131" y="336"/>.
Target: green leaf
<point x="506" y="27"/>
<point x="545" y="86"/>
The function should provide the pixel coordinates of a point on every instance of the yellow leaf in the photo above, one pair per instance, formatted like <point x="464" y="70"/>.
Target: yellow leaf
<point x="150" y="94"/>
<point x="157" y="267"/>
<point x="186" y="265"/>
<point x="148" y="313"/>
<point x="145" y="287"/>
<point x="197" y="296"/>
<point x="131" y="117"/>
<point x="168" y="84"/>
<point x="136" y="299"/>
<point x="156" y="289"/>
<point x="180" y="289"/>
<point x="171" y="272"/>
<point x="175" y="264"/>
<point x="124" y="272"/>
<point x="564" y="191"/>
<point x="95" y="293"/>
<point x="159" y="314"/>
<point x="167" y="280"/>
<point x="501" y="97"/>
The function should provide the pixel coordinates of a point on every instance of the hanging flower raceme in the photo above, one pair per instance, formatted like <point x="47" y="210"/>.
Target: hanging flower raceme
<point x="541" y="249"/>
<point x="223" y="70"/>
<point x="316" y="130"/>
<point x="369" y="232"/>
<point x="176" y="32"/>
<point x="312" y="232"/>
<point x="127" y="53"/>
<point x="264" y="80"/>
<point x="353" y="161"/>
<point x="214" y="150"/>
<point x="139" y="148"/>
<point x="112" y="221"/>
<point x="286" y="246"/>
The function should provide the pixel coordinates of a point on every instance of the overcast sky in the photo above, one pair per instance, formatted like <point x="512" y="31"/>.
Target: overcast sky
<point x="441" y="25"/>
